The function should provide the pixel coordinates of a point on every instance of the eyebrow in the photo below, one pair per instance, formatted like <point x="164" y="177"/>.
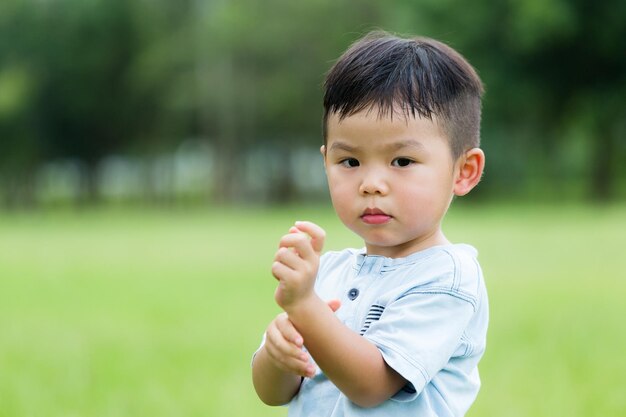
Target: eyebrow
<point x="395" y="146"/>
<point x="342" y="146"/>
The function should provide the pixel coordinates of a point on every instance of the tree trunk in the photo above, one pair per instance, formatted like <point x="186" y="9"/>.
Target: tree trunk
<point x="226" y="169"/>
<point x="284" y="188"/>
<point x="602" y="168"/>
<point x="19" y="189"/>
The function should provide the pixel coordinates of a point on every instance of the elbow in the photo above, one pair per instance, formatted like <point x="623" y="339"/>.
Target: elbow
<point x="368" y="398"/>
<point x="273" y="397"/>
<point x="369" y="395"/>
<point x="274" y="394"/>
<point x="273" y="402"/>
<point x="366" y="403"/>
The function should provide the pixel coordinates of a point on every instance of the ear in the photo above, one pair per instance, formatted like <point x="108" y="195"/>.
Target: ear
<point x="470" y="170"/>
<point x="323" y="152"/>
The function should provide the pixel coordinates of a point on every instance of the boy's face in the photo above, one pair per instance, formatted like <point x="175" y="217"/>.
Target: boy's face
<point x="391" y="180"/>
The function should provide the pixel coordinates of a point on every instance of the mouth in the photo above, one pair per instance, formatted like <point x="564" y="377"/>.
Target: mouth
<point x="375" y="216"/>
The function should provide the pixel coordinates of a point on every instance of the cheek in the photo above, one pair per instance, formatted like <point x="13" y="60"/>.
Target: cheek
<point x="341" y="198"/>
<point x="419" y="200"/>
<point x="338" y="188"/>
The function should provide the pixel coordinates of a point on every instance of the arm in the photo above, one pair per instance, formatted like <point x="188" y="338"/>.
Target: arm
<point x="280" y="364"/>
<point x="350" y="361"/>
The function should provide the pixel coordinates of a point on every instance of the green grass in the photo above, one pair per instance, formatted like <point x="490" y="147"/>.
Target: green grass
<point x="131" y="313"/>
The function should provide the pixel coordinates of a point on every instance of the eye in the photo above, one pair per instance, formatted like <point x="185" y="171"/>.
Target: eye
<point x="402" y="162"/>
<point x="350" y="163"/>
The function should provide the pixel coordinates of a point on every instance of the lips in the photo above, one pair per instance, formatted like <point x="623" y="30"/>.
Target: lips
<point x="375" y="216"/>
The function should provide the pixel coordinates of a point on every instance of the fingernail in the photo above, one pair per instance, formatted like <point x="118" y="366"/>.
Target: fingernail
<point x="299" y="341"/>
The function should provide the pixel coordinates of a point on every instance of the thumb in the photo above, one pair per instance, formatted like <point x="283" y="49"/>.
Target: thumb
<point x="334" y="304"/>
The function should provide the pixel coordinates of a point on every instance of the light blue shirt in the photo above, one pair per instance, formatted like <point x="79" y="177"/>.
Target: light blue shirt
<point x="427" y="314"/>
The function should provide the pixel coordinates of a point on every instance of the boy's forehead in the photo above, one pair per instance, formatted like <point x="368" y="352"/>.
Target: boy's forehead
<point x="371" y="123"/>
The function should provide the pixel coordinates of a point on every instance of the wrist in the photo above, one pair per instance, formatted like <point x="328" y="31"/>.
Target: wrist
<point x="305" y="308"/>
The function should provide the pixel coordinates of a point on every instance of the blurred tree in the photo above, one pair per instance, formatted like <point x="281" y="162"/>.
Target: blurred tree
<point x="85" y="49"/>
<point x="260" y="70"/>
<point x="89" y="79"/>
<point x="22" y="144"/>
<point x="160" y="81"/>
<point x="555" y="71"/>
<point x="581" y="68"/>
<point x="69" y="65"/>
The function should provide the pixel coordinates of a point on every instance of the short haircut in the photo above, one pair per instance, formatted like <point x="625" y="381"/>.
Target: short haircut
<point x="417" y="77"/>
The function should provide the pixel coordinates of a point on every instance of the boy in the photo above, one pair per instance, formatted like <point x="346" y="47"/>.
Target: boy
<point x="401" y="136"/>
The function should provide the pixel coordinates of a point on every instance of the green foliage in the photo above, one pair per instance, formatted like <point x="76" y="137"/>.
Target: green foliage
<point x="116" y="313"/>
<point x="87" y="79"/>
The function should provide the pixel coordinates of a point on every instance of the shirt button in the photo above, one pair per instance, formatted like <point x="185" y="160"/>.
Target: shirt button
<point x="353" y="293"/>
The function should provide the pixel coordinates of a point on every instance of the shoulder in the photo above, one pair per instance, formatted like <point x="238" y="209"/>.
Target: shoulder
<point x="465" y="272"/>
<point x="461" y="261"/>
<point x="449" y="269"/>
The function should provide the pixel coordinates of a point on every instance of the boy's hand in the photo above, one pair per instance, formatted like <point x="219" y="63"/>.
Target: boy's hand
<point x="284" y="345"/>
<point x="296" y="262"/>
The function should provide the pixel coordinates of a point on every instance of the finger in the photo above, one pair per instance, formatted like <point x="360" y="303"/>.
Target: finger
<point x="289" y="332"/>
<point x="298" y="365"/>
<point x="334" y="305"/>
<point x="317" y="234"/>
<point x="295" y="366"/>
<point x="286" y="355"/>
<point x="288" y="258"/>
<point x="281" y="271"/>
<point x="281" y="345"/>
<point x="301" y="243"/>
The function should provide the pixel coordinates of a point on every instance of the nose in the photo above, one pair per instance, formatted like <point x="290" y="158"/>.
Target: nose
<point x="373" y="183"/>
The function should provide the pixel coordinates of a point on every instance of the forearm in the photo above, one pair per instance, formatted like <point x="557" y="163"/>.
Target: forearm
<point x="273" y="385"/>
<point x="350" y="361"/>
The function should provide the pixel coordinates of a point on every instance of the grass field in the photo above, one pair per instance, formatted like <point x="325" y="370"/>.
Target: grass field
<point x="133" y="313"/>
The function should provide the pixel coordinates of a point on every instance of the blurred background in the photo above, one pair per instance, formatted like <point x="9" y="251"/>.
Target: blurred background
<point x="152" y="153"/>
<point x="220" y="101"/>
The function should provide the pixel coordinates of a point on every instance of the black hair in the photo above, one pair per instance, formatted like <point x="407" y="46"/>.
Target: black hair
<point x="420" y="77"/>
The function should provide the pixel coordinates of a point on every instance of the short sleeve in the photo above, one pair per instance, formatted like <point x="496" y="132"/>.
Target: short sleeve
<point x="258" y="349"/>
<point x="418" y="334"/>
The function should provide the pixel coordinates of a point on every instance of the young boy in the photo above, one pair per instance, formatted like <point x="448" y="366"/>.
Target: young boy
<point x="397" y="328"/>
